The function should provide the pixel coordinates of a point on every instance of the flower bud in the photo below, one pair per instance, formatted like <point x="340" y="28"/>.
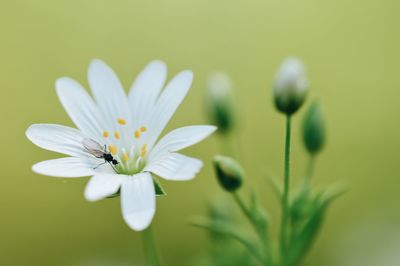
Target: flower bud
<point x="219" y="101"/>
<point x="229" y="172"/>
<point x="291" y="85"/>
<point x="314" y="129"/>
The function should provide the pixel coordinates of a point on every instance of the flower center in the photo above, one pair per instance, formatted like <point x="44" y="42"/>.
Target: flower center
<point x="129" y="153"/>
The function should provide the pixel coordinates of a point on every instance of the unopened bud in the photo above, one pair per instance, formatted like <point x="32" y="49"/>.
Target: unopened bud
<point x="314" y="129"/>
<point x="229" y="172"/>
<point x="291" y="86"/>
<point x="219" y="102"/>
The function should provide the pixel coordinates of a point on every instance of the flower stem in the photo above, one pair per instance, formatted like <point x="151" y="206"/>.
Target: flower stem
<point x="310" y="167"/>
<point x="226" y="145"/>
<point x="150" y="248"/>
<point x="242" y="206"/>
<point x="285" y="196"/>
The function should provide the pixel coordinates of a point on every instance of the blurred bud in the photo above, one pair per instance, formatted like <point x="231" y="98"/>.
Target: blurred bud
<point x="291" y="85"/>
<point x="229" y="172"/>
<point x="219" y="101"/>
<point x="314" y="129"/>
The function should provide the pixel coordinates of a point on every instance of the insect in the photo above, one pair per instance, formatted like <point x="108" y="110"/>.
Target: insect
<point x="95" y="149"/>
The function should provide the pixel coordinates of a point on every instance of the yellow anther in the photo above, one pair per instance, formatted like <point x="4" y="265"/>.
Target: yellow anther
<point x="125" y="157"/>
<point x="116" y="135"/>
<point x="137" y="134"/>
<point x="106" y="134"/>
<point x="113" y="149"/>
<point x="121" y="121"/>
<point x="143" y="129"/>
<point x="143" y="150"/>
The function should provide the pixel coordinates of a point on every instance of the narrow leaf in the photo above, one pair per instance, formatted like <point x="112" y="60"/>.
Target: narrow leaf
<point x="226" y="229"/>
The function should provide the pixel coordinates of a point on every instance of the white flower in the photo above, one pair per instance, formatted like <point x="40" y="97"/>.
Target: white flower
<point x="128" y="127"/>
<point x="290" y="86"/>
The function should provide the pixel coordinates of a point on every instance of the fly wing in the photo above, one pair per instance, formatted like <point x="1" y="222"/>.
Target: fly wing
<point x="93" y="147"/>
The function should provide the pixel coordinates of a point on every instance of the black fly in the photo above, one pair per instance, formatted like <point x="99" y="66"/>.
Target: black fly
<point x="95" y="149"/>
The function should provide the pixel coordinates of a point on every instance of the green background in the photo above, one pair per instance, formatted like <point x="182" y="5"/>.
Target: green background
<point x="351" y="49"/>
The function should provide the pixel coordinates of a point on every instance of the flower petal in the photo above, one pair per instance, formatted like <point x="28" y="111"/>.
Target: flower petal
<point x="79" y="106"/>
<point x="65" y="167"/>
<point x="167" y="104"/>
<point x="175" y="166"/>
<point x="138" y="201"/>
<point x="110" y="97"/>
<point x="57" y="138"/>
<point x="179" y="139"/>
<point x="145" y="90"/>
<point x="102" y="185"/>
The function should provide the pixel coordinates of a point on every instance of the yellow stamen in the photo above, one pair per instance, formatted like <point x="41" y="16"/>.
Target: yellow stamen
<point x="113" y="149"/>
<point x="116" y="134"/>
<point x="106" y="134"/>
<point x="121" y="121"/>
<point x="143" y="129"/>
<point x="125" y="157"/>
<point x="143" y="150"/>
<point x="137" y="134"/>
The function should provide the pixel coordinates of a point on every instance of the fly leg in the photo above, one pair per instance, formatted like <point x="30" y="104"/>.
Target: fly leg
<point x="100" y="165"/>
<point x="113" y="167"/>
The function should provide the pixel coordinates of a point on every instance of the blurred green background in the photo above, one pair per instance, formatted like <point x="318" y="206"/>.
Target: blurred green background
<point x="351" y="49"/>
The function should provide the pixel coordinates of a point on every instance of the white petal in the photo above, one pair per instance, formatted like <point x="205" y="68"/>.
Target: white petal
<point x="167" y="104"/>
<point x="110" y="97"/>
<point x="79" y="106"/>
<point x="57" y="138"/>
<point x="102" y="185"/>
<point x="138" y="201"/>
<point x="65" y="167"/>
<point x="145" y="90"/>
<point x="175" y="166"/>
<point x="179" y="139"/>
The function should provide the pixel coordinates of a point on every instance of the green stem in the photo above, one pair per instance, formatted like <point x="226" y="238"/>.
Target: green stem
<point x="310" y="167"/>
<point x="150" y="248"/>
<point x="226" y="145"/>
<point x="285" y="196"/>
<point x="306" y="182"/>
<point x="242" y="206"/>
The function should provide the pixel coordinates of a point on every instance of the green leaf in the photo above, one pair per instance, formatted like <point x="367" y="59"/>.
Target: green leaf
<point x="116" y="194"/>
<point x="258" y="214"/>
<point x="228" y="230"/>
<point x="159" y="189"/>
<point x="301" y="206"/>
<point x="157" y="186"/>
<point x="302" y="239"/>
<point x="273" y="182"/>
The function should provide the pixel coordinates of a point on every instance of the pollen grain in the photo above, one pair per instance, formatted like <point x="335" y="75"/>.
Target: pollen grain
<point x="121" y="121"/>
<point x="137" y="134"/>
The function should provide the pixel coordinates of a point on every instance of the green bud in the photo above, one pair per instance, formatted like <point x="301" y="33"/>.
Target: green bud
<point x="229" y="172"/>
<point x="219" y="102"/>
<point x="314" y="129"/>
<point x="291" y="86"/>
